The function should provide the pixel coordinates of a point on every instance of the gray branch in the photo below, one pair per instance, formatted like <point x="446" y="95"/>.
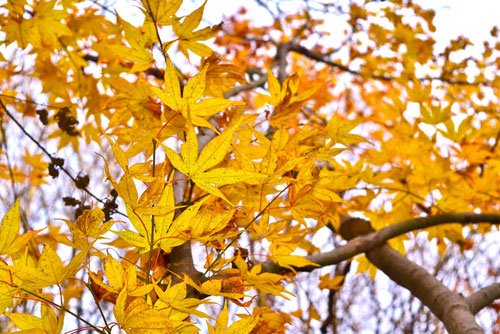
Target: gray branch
<point x="484" y="297"/>
<point x="451" y="308"/>
<point x="364" y="243"/>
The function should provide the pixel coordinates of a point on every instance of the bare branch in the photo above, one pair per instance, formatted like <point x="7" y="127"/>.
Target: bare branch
<point x="484" y="297"/>
<point x="44" y="150"/>
<point x="451" y="308"/>
<point x="331" y="319"/>
<point x="280" y="60"/>
<point x="252" y="85"/>
<point x="324" y="59"/>
<point x="364" y="243"/>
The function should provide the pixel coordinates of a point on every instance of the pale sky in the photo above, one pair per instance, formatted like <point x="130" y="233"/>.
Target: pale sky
<point x="473" y="19"/>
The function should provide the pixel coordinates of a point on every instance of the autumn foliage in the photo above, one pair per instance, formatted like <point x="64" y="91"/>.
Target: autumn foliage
<point x="165" y="171"/>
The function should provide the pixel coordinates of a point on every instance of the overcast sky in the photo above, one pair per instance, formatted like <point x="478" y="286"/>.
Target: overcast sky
<point x="473" y="19"/>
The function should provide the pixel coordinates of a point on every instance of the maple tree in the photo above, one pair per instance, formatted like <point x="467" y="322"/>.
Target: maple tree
<point x="225" y="152"/>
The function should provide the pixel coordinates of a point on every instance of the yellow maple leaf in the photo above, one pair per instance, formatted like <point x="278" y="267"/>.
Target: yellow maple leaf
<point x="264" y="282"/>
<point x="188" y="38"/>
<point x="165" y="236"/>
<point x="120" y="279"/>
<point x="271" y="165"/>
<point x="10" y="227"/>
<point x="220" y="77"/>
<point x="365" y="265"/>
<point x="434" y="114"/>
<point x="39" y="167"/>
<point x="138" y="317"/>
<point x="213" y="287"/>
<point x="42" y="30"/>
<point x="286" y="93"/>
<point x="16" y="30"/>
<point x="7" y="290"/>
<point x="162" y="12"/>
<point x="327" y="282"/>
<point x="243" y="326"/>
<point x="285" y="98"/>
<point x="207" y="222"/>
<point x="127" y="190"/>
<point x="174" y="298"/>
<point x="10" y="242"/>
<point x="195" y="166"/>
<point x="137" y="52"/>
<point x="270" y="321"/>
<point x="89" y="224"/>
<point x="188" y="101"/>
<point x="338" y="130"/>
<point x="49" y="323"/>
<point x="50" y="269"/>
<point x="288" y="261"/>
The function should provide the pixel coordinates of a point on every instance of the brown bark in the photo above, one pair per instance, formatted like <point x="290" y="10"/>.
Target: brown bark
<point x="364" y="243"/>
<point x="451" y="308"/>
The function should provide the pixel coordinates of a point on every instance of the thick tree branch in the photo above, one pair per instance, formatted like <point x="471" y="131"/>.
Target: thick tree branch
<point x="281" y="61"/>
<point x="181" y="257"/>
<point x="364" y="243"/>
<point x="484" y="297"/>
<point x="451" y="308"/>
<point x="456" y="312"/>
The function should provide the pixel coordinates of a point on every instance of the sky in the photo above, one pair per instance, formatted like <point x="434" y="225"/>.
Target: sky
<point x="473" y="19"/>
<point x="453" y="17"/>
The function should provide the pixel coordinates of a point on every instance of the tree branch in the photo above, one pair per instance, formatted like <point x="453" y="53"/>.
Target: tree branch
<point x="484" y="297"/>
<point x="252" y="85"/>
<point x="280" y="60"/>
<point x="318" y="57"/>
<point x="181" y="257"/>
<point x="364" y="243"/>
<point x="324" y="59"/>
<point x="451" y="308"/>
<point x="333" y="295"/>
<point x="44" y="150"/>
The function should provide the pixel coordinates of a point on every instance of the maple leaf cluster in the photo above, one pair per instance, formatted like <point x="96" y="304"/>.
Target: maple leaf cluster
<point x="246" y="156"/>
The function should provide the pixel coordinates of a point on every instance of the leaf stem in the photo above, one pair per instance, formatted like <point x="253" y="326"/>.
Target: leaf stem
<point x="150" y="12"/>
<point x="64" y="309"/>
<point x="244" y="229"/>
<point x="97" y="303"/>
<point x="152" y="240"/>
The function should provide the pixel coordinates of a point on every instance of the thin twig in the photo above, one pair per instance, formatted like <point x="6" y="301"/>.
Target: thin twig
<point x="318" y="57"/>
<point x="9" y="164"/>
<point x="152" y="241"/>
<point x="244" y="229"/>
<point x="63" y="308"/>
<point x="150" y="12"/>
<point x="44" y="150"/>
